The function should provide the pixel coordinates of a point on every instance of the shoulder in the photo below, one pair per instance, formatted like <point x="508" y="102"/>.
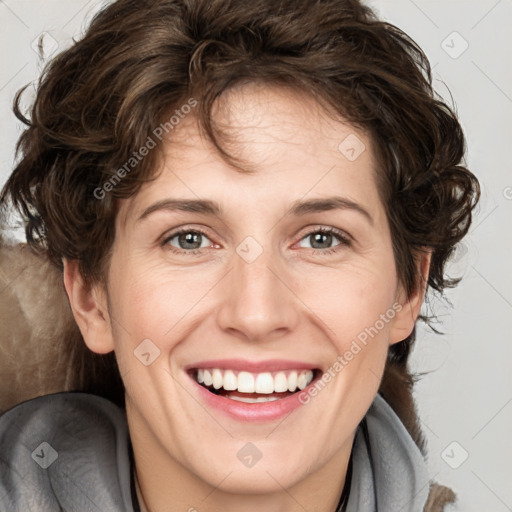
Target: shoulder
<point x="64" y="451"/>
<point x="74" y="405"/>
<point x="392" y="466"/>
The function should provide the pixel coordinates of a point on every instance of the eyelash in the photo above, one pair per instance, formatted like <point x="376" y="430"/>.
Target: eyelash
<point x="344" y="239"/>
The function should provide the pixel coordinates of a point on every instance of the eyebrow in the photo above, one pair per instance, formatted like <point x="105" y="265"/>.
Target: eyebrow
<point x="298" y="208"/>
<point x="184" y="205"/>
<point x="328" y="203"/>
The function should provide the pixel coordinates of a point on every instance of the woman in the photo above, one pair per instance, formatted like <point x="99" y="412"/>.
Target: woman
<point x="248" y="204"/>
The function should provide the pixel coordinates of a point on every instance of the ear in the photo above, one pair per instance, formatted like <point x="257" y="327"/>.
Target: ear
<point x="407" y="314"/>
<point x="88" y="304"/>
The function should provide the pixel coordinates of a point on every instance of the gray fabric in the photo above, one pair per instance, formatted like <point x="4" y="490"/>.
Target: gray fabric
<point x="92" y="469"/>
<point x="399" y="476"/>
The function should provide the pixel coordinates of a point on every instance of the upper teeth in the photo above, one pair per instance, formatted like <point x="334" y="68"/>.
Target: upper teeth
<point x="246" y="382"/>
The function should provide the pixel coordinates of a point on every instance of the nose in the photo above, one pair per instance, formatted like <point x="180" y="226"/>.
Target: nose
<point x="258" y="302"/>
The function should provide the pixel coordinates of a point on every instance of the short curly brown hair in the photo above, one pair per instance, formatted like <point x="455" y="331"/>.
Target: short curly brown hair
<point x="100" y="100"/>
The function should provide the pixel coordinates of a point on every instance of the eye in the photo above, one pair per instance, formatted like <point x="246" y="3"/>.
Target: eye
<point x="193" y="241"/>
<point x="187" y="241"/>
<point x="322" y="239"/>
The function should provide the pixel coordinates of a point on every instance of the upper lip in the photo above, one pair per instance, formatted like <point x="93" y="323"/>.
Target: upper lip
<point x="268" y="365"/>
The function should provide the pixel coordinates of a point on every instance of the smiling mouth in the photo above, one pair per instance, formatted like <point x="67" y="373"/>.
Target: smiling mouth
<point x="248" y="387"/>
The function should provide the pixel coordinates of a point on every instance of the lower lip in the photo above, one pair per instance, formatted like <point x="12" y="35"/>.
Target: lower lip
<point x="257" y="412"/>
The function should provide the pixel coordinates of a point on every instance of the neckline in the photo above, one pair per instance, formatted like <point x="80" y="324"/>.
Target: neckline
<point x="133" y="491"/>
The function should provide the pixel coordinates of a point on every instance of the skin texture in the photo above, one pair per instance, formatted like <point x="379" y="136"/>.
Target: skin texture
<point x="294" y="301"/>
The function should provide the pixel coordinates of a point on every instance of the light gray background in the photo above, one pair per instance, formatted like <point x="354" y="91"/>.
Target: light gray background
<point x="465" y="397"/>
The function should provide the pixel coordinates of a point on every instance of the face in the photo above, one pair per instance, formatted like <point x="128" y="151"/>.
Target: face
<point x="260" y="283"/>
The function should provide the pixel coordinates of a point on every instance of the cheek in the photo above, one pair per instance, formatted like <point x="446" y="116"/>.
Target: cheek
<point x="150" y="302"/>
<point x="351" y="298"/>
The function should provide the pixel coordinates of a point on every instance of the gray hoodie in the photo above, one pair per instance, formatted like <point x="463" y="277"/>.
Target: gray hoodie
<point x="71" y="452"/>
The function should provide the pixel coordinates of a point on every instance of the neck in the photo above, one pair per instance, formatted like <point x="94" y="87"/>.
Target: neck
<point x="140" y="498"/>
<point x="285" y="502"/>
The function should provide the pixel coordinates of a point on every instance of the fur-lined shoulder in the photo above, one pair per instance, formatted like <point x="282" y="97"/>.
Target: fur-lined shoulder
<point x="439" y="497"/>
<point x="36" y="324"/>
<point x="41" y="349"/>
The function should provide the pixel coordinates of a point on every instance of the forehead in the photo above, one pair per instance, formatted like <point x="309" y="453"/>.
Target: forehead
<point x="297" y="149"/>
